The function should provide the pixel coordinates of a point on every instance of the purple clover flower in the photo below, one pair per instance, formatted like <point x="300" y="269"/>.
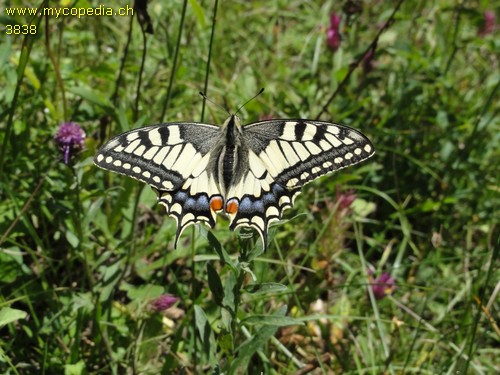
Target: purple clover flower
<point x="164" y="302"/>
<point x="384" y="285"/>
<point x="489" y="23"/>
<point x="333" y="39"/>
<point x="69" y="137"/>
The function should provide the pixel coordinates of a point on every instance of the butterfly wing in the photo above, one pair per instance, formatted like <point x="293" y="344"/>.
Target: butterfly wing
<point x="173" y="159"/>
<point x="284" y="155"/>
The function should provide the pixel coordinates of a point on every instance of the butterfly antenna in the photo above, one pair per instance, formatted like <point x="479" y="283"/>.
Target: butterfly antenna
<point x="214" y="103"/>
<point x="249" y="100"/>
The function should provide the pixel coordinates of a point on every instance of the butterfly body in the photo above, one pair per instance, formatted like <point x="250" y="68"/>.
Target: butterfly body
<point x="251" y="173"/>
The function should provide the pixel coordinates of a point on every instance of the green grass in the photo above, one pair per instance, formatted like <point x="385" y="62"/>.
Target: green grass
<point x="83" y="252"/>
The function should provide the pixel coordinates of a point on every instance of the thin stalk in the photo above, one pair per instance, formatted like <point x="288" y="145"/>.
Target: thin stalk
<point x="59" y="79"/>
<point x="378" y="320"/>
<point x="114" y="97"/>
<point x="482" y="297"/>
<point x="141" y="72"/>
<point x="209" y="59"/>
<point x="174" y="67"/>
<point x="353" y="66"/>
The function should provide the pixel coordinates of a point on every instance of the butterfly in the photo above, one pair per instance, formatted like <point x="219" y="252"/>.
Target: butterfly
<point x="250" y="173"/>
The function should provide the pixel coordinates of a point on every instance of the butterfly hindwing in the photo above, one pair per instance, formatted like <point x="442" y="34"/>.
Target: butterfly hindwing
<point x="173" y="159"/>
<point x="283" y="155"/>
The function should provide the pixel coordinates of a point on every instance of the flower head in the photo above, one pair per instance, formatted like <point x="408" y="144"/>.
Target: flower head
<point x="345" y="199"/>
<point x="384" y="285"/>
<point x="368" y="62"/>
<point x="489" y="23"/>
<point x="69" y="138"/>
<point x="163" y="302"/>
<point x="333" y="39"/>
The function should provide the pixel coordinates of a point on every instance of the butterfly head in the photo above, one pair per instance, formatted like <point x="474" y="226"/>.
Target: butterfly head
<point x="232" y="125"/>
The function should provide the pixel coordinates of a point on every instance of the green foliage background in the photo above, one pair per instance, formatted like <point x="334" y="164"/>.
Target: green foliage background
<point x="84" y="252"/>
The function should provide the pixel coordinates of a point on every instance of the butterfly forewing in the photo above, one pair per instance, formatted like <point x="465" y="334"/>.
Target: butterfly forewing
<point x="251" y="173"/>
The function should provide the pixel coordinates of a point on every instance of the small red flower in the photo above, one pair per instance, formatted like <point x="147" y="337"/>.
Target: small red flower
<point x="489" y="23"/>
<point x="384" y="285"/>
<point x="346" y="198"/>
<point x="164" y="302"/>
<point x="368" y="61"/>
<point x="333" y="39"/>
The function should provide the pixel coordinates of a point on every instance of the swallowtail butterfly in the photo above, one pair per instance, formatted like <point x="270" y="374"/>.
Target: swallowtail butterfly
<point x="251" y="173"/>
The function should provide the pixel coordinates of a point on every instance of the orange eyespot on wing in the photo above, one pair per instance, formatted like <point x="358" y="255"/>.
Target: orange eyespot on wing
<point x="232" y="206"/>
<point x="216" y="203"/>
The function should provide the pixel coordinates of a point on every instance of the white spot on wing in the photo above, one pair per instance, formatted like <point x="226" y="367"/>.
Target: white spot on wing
<point x="131" y="147"/>
<point x="160" y="156"/>
<point x="313" y="149"/>
<point x="292" y="182"/>
<point x="348" y="156"/>
<point x="347" y="141"/>
<point x="136" y="170"/>
<point x="325" y="145"/>
<point x="201" y="166"/>
<point x="357" y="151"/>
<point x="337" y="160"/>
<point x="289" y="131"/>
<point x="333" y="129"/>
<point x="154" y="137"/>
<point x="117" y="163"/>
<point x="146" y="174"/>
<point x="289" y="152"/>
<point x="174" y="135"/>
<point x="276" y="156"/>
<point x="172" y="156"/>
<point x="273" y="172"/>
<point x="368" y="148"/>
<point x="333" y="140"/>
<point x="156" y="179"/>
<point x="188" y="153"/>
<point x="301" y="150"/>
<point x="257" y="220"/>
<point x="99" y="158"/>
<point x="126" y="166"/>
<point x="167" y="184"/>
<point x="256" y="165"/>
<point x="309" y="132"/>
<point x="149" y="154"/>
<point x="272" y="211"/>
<point x="132" y="136"/>
<point x="140" y="150"/>
<point x="109" y="159"/>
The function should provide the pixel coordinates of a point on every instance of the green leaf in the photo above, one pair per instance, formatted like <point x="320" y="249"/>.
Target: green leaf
<point x="271" y="320"/>
<point x="91" y="96"/>
<point x="215" y="284"/>
<point x="206" y="333"/>
<point x="219" y="249"/>
<point x="249" y="347"/>
<point x="75" y="368"/>
<point x="9" y="315"/>
<point x="72" y="239"/>
<point x="265" y="288"/>
<point x="198" y="12"/>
